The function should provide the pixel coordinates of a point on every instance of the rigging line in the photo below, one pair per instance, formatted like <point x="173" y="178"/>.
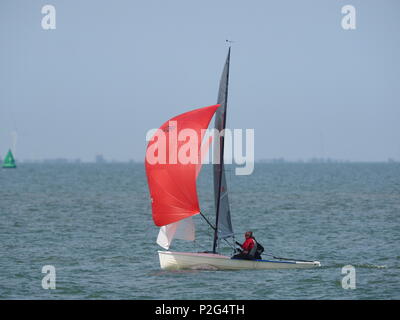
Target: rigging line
<point x="209" y="223"/>
<point x="291" y="259"/>
<point x="288" y="259"/>
<point x="229" y="244"/>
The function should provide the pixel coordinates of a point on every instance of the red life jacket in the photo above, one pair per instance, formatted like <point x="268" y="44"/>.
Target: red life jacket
<point x="248" y="244"/>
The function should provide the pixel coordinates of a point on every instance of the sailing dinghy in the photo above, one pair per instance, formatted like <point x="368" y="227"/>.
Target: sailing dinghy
<point x="173" y="191"/>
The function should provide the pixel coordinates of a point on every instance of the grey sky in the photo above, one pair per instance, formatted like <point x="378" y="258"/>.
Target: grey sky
<point x="114" y="69"/>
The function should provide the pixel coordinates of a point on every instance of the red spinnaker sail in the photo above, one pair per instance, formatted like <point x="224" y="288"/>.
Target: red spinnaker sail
<point x="172" y="164"/>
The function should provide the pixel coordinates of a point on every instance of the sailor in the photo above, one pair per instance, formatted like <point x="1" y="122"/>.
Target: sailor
<point x="249" y="247"/>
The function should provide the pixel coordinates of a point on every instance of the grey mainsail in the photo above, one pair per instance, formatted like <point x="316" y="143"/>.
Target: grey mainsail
<point x="223" y="216"/>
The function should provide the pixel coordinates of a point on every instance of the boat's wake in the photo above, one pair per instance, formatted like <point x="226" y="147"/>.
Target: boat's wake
<point x="360" y="266"/>
<point x="369" y="266"/>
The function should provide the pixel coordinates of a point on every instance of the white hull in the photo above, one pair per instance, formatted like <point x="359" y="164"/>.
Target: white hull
<point x="209" y="261"/>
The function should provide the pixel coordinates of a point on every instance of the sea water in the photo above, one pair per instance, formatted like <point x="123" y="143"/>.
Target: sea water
<point x="92" y="223"/>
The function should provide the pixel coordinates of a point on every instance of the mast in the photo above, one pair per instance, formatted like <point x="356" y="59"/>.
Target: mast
<point x="223" y="223"/>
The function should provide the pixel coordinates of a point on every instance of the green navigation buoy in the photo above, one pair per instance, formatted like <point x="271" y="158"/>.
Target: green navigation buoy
<point x="9" y="161"/>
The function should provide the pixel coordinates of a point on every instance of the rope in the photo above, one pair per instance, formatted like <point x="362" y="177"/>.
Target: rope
<point x="287" y="259"/>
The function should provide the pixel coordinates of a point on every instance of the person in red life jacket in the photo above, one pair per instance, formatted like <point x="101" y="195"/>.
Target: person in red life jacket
<point x="249" y="248"/>
<point x="249" y="243"/>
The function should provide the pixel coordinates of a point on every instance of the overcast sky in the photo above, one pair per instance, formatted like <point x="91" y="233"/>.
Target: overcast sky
<point x="111" y="70"/>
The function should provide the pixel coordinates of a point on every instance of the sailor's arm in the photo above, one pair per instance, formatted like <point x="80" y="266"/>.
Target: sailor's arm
<point x="239" y="244"/>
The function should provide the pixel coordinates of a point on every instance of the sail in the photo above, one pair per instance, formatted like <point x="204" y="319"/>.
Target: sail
<point x="183" y="229"/>
<point x="9" y="161"/>
<point x="223" y="216"/>
<point x="172" y="177"/>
